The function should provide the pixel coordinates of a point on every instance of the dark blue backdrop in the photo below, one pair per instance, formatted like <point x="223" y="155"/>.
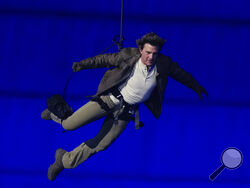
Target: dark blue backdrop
<point x="39" y="41"/>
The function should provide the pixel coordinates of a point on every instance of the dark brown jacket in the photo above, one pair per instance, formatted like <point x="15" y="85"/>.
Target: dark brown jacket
<point x="122" y="63"/>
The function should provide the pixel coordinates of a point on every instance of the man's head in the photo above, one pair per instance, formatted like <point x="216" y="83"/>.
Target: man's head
<point x="150" y="46"/>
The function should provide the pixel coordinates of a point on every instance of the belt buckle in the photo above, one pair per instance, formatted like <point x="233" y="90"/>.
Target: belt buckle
<point x="119" y="96"/>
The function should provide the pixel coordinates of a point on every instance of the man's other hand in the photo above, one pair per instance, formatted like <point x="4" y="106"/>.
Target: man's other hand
<point x="76" y="67"/>
<point x="200" y="90"/>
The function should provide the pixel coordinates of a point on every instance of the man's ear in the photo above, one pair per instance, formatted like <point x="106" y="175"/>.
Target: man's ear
<point x="140" y="49"/>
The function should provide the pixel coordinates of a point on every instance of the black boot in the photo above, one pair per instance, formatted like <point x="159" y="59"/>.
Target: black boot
<point x="57" y="166"/>
<point x="59" y="107"/>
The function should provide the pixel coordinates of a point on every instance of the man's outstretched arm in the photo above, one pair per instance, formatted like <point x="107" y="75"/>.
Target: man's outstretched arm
<point x="185" y="78"/>
<point x="99" y="61"/>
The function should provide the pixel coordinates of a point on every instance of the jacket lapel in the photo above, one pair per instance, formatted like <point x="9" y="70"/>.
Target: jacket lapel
<point x="134" y="59"/>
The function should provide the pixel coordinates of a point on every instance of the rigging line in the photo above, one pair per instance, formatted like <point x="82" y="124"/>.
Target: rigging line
<point x="115" y="42"/>
<point x="66" y="85"/>
<point x="121" y="28"/>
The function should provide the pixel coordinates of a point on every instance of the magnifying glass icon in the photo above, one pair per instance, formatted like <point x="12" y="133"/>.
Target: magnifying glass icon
<point x="231" y="158"/>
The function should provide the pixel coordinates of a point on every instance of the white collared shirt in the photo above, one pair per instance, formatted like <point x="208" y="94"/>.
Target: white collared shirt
<point x="139" y="85"/>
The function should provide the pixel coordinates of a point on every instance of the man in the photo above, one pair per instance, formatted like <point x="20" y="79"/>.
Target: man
<point x="137" y="75"/>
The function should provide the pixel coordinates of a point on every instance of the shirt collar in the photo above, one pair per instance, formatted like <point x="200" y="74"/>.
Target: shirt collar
<point x="144" y="67"/>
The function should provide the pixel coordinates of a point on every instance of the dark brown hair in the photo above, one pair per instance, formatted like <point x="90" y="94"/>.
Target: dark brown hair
<point x="152" y="39"/>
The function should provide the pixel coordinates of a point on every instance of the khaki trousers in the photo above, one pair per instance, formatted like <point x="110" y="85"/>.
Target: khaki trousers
<point x="109" y="131"/>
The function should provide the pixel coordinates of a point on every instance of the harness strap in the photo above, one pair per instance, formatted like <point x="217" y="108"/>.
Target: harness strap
<point x="133" y="109"/>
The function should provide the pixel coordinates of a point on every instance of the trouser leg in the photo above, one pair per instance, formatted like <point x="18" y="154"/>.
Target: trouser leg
<point x="89" y="112"/>
<point x="110" y="130"/>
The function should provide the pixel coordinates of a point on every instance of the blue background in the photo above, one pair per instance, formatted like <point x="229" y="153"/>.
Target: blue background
<point x="39" y="41"/>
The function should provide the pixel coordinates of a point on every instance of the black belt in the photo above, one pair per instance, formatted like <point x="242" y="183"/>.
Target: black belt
<point x="130" y="107"/>
<point x="117" y="94"/>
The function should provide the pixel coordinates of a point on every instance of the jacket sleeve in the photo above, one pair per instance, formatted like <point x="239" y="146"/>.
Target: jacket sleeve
<point x="99" y="61"/>
<point x="184" y="77"/>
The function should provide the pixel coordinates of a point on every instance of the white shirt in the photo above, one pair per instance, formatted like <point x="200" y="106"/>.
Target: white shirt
<point x="139" y="85"/>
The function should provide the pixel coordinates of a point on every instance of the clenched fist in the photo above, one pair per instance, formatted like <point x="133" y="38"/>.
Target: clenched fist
<point x="200" y="90"/>
<point x="76" y="67"/>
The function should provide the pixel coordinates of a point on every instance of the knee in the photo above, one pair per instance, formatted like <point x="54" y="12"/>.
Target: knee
<point x="73" y="122"/>
<point x="69" y="126"/>
<point x="101" y="147"/>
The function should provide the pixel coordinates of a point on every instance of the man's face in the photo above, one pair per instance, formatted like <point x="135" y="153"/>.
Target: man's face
<point x="149" y="54"/>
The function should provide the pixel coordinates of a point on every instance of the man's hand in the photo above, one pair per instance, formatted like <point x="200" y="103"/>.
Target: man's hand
<point x="200" y="90"/>
<point x="76" y="67"/>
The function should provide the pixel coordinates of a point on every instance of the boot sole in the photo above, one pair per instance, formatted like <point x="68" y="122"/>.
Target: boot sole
<point x="52" y="175"/>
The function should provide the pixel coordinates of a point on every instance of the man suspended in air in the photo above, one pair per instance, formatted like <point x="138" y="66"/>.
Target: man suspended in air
<point x="136" y="75"/>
